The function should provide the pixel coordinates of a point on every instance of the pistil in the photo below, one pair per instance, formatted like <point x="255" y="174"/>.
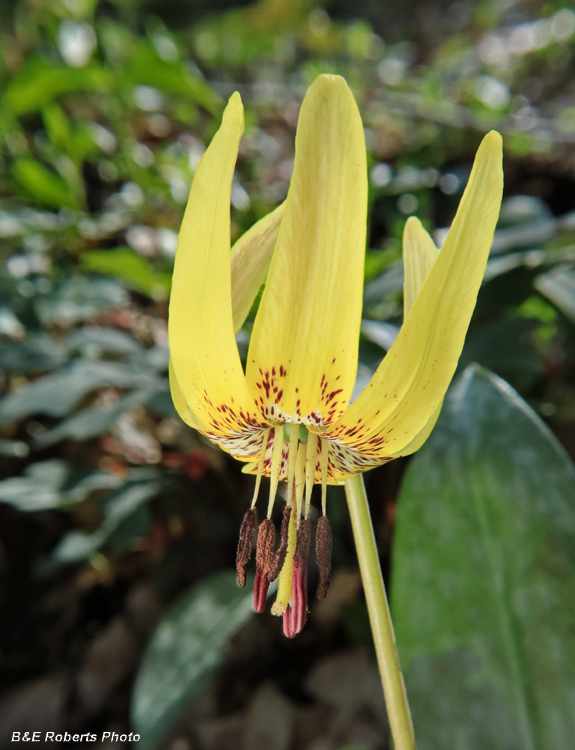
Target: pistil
<point x="285" y="576"/>
<point x="295" y="616"/>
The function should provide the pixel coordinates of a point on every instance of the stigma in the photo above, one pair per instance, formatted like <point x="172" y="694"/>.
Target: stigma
<point x="288" y="561"/>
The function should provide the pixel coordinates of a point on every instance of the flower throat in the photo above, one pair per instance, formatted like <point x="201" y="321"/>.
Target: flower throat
<point x="289" y="561"/>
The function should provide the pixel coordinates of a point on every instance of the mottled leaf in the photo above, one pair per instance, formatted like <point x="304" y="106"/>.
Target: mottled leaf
<point x="483" y="576"/>
<point x="188" y="645"/>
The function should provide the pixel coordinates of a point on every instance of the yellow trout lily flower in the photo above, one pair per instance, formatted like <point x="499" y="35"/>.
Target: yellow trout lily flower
<point x="303" y="353"/>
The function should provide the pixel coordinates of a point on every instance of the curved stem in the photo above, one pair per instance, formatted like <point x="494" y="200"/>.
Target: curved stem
<point x="379" y="615"/>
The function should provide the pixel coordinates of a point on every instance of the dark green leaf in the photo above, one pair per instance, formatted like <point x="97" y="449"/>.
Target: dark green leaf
<point x="389" y="283"/>
<point x="188" y="645"/>
<point x="78" y="299"/>
<point x="94" y="341"/>
<point x="508" y="348"/>
<point x="36" y="352"/>
<point x="95" y="420"/>
<point x="119" y="512"/>
<point x="57" y="394"/>
<point x="559" y="286"/>
<point x="483" y="576"/>
<point x="54" y="484"/>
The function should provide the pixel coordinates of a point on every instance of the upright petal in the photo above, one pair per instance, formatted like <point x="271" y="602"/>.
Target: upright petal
<point x="205" y="359"/>
<point x="419" y="255"/>
<point x="412" y="379"/>
<point x="302" y="360"/>
<point x="251" y="258"/>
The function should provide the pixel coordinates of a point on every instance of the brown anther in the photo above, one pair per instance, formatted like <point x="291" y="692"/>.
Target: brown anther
<point x="264" y="560"/>
<point x="298" y="612"/>
<point x="245" y="544"/>
<point x="323" y="555"/>
<point x="282" y="549"/>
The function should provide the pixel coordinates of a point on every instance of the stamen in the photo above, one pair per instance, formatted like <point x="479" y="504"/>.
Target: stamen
<point x="300" y="479"/>
<point x="310" y="464"/>
<point x="264" y="560"/>
<point x="260" y="466"/>
<point x="282" y="549"/>
<point x="323" y="555"/>
<point x="245" y="544"/>
<point x="324" y="463"/>
<point x="275" y="466"/>
<point x="292" y="455"/>
<point x="285" y="577"/>
<point x="297" y="613"/>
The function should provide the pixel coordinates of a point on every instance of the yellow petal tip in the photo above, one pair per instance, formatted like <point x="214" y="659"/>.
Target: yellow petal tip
<point x="235" y="100"/>
<point x="412" y="224"/>
<point x="493" y="141"/>
<point x="234" y="110"/>
<point x="327" y="81"/>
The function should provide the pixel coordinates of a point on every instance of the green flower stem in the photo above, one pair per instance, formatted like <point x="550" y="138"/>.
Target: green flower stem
<point x="379" y="615"/>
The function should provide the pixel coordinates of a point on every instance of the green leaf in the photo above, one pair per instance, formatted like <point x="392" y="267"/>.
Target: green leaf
<point x="508" y="348"/>
<point x="120" y="511"/>
<point x="559" y="286"/>
<point x="149" y="69"/>
<point x="54" y="484"/>
<point x="79" y="298"/>
<point x="189" y="643"/>
<point x="14" y="448"/>
<point x="128" y="265"/>
<point x="36" y="352"/>
<point x="483" y="576"/>
<point x="95" y="420"/>
<point x="40" y="83"/>
<point x="57" y="394"/>
<point x="95" y="341"/>
<point x="389" y="283"/>
<point x="44" y="186"/>
<point x="57" y="126"/>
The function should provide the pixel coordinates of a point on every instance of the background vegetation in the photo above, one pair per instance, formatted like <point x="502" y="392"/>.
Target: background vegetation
<point x="117" y="522"/>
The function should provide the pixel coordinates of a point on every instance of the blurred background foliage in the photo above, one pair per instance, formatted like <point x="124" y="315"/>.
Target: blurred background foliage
<point x="111" y="508"/>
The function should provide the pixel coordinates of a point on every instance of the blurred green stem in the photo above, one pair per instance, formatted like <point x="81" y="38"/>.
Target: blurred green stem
<point x="379" y="615"/>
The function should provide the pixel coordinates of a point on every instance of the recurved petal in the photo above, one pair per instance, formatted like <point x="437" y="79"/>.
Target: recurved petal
<point x="251" y="258"/>
<point x="412" y="379"/>
<point x="180" y="402"/>
<point x="419" y="255"/>
<point x="203" y="349"/>
<point x="302" y="360"/>
<point x="414" y="445"/>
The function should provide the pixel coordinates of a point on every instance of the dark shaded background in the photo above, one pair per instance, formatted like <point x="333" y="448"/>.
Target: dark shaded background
<point x="95" y="163"/>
